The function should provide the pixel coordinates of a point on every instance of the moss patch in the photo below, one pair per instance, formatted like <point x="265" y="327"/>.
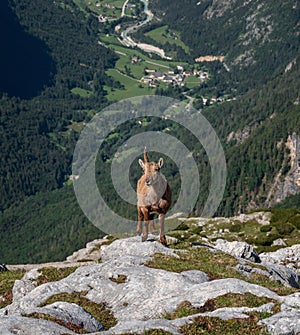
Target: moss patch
<point x="101" y="312"/>
<point x="216" y="326"/>
<point x="228" y="300"/>
<point x="54" y="274"/>
<point x="7" y="280"/>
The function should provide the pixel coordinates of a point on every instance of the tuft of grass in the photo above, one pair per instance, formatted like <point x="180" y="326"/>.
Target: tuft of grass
<point x="265" y="229"/>
<point x="51" y="274"/>
<point x="185" y="308"/>
<point x="101" y="312"/>
<point x="7" y="280"/>
<point x="235" y="228"/>
<point x="216" y="326"/>
<point x="247" y="299"/>
<point x="216" y="265"/>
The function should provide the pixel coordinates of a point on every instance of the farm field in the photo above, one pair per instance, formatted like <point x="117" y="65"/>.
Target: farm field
<point x="111" y="10"/>
<point x="163" y="35"/>
<point x="133" y="64"/>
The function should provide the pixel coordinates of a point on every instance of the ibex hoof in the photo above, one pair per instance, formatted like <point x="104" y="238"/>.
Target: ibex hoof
<point x="163" y="240"/>
<point x="144" y="239"/>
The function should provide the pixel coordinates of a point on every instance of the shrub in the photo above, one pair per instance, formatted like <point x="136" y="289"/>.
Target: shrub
<point x="265" y="229"/>
<point x="266" y="240"/>
<point x="197" y="230"/>
<point x="284" y="228"/>
<point x="182" y="226"/>
<point x="295" y="221"/>
<point x="235" y="228"/>
<point x="283" y="215"/>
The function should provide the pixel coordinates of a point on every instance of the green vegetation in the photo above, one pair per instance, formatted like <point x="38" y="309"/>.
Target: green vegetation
<point x="228" y="300"/>
<point x="216" y="265"/>
<point x="7" y="280"/>
<point x="47" y="226"/>
<point x="162" y="35"/>
<point x="54" y="274"/>
<point x="283" y="224"/>
<point x="215" y="326"/>
<point x="101" y="312"/>
<point x="206" y="32"/>
<point x="132" y="87"/>
<point x="81" y="92"/>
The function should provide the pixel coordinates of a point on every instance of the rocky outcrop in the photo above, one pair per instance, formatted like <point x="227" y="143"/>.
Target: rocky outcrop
<point x="209" y="59"/>
<point x="289" y="256"/>
<point x="288" y="184"/>
<point x="272" y="261"/>
<point x="141" y="299"/>
<point x="238" y="249"/>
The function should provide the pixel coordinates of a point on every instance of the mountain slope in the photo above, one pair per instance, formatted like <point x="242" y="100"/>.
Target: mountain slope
<point x="259" y="75"/>
<point x="258" y="38"/>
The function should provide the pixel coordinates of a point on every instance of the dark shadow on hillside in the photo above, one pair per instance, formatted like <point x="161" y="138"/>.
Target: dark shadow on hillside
<point x="25" y="64"/>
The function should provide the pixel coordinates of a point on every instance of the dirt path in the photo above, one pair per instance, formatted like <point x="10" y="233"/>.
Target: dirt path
<point x="123" y="8"/>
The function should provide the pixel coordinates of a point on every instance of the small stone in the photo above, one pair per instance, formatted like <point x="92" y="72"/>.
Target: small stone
<point x="279" y="242"/>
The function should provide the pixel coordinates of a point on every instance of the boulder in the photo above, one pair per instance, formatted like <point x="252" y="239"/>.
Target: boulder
<point x="282" y="256"/>
<point x="238" y="249"/>
<point x="283" y="323"/>
<point x="17" y="324"/>
<point x="70" y="313"/>
<point x="283" y="274"/>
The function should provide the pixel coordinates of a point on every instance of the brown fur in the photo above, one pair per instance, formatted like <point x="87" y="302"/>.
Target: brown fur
<point x="154" y="197"/>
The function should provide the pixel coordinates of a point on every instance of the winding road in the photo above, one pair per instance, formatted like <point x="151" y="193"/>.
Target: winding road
<point x="129" y="42"/>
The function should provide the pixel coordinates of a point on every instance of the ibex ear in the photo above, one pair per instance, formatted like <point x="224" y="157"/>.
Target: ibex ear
<point x="141" y="164"/>
<point x="160" y="162"/>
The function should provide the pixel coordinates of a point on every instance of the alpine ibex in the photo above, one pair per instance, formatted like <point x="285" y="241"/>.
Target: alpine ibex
<point x="154" y="197"/>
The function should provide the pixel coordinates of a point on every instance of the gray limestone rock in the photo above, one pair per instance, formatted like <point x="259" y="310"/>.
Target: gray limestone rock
<point x="283" y="323"/>
<point x="279" y="242"/>
<point x="17" y="324"/>
<point x="140" y="299"/>
<point x="89" y="253"/>
<point x="27" y="284"/>
<point x="282" y="256"/>
<point x="283" y="274"/>
<point x="133" y="247"/>
<point x="69" y="312"/>
<point x="238" y="249"/>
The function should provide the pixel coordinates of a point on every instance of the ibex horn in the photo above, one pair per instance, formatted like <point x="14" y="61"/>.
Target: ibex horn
<point x="145" y="155"/>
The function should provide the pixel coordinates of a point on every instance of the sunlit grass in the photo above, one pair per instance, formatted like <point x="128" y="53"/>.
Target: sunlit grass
<point x="217" y="265"/>
<point x="7" y="280"/>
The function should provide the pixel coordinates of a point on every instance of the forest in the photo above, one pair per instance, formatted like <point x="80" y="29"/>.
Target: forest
<point x="39" y="215"/>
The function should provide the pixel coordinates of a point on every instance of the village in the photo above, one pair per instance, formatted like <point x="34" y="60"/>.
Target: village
<point x="174" y="77"/>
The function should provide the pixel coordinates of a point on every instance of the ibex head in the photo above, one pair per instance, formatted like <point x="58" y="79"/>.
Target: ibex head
<point x="151" y="169"/>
